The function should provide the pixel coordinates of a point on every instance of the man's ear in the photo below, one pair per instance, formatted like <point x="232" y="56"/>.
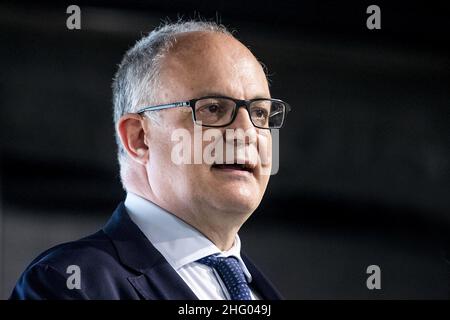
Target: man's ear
<point x="132" y="132"/>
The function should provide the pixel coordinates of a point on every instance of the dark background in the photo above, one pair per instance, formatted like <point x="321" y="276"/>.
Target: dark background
<point x="364" y="176"/>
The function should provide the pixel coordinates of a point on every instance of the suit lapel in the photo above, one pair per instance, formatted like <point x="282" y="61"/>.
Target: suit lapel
<point x="156" y="279"/>
<point x="162" y="283"/>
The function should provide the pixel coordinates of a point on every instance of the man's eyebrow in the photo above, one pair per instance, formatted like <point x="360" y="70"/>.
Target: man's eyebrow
<point x="219" y="94"/>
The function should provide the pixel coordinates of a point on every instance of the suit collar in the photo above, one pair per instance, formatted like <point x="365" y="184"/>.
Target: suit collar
<point x="156" y="279"/>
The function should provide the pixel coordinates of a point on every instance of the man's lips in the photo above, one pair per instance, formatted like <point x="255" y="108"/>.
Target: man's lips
<point x="246" y="167"/>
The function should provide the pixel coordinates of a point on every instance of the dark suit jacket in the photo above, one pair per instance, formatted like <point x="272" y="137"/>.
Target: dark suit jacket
<point x="117" y="262"/>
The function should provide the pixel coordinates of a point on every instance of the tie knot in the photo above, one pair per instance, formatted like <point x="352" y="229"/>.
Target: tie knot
<point x="221" y="263"/>
<point x="231" y="273"/>
<point x="211" y="261"/>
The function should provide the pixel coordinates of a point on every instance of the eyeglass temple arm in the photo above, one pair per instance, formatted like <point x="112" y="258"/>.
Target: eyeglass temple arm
<point x="165" y="106"/>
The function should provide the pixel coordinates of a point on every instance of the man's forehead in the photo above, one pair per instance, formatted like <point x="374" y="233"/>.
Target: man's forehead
<point x="201" y="47"/>
<point x="212" y="62"/>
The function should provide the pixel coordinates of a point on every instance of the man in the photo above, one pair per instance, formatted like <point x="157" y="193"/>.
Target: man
<point x="175" y="236"/>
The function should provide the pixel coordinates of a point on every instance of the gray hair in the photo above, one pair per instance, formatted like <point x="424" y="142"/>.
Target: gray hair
<point x="136" y="79"/>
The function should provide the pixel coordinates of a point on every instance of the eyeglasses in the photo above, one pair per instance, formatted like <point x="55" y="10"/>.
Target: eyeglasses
<point x="218" y="111"/>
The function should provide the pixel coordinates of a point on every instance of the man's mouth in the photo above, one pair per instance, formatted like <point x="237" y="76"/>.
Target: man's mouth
<point x="246" y="167"/>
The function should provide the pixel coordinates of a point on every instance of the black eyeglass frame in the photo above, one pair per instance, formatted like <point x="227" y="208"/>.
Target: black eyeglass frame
<point x="239" y="103"/>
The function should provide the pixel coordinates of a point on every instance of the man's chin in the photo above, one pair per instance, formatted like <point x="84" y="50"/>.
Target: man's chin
<point x="238" y="202"/>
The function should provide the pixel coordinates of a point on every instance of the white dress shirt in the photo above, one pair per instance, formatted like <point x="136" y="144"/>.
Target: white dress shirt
<point x="181" y="245"/>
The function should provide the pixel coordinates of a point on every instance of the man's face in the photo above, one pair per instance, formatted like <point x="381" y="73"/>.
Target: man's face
<point x="204" y="64"/>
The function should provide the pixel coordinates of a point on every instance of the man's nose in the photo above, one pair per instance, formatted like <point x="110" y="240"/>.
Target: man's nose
<point x="243" y="122"/>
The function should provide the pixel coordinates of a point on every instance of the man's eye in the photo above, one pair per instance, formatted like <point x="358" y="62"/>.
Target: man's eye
<point x="260" y="113"/>
<point x="213" y="108"/>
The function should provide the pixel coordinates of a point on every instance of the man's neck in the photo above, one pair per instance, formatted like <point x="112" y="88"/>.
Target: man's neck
<point x="220" y="227"/>
<point x="222" y="235"/>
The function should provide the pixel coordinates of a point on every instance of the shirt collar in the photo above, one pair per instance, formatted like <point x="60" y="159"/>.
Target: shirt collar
<point x="177" y="241"/>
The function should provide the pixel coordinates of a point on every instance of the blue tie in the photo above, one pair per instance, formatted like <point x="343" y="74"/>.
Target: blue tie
<point x="231" y="274"/>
